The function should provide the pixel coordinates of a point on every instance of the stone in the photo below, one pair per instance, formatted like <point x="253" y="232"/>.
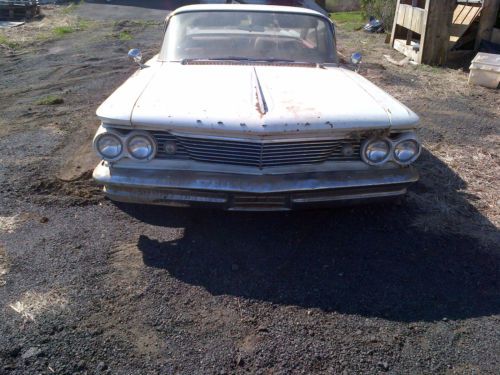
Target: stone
<point x="32" y="352"/>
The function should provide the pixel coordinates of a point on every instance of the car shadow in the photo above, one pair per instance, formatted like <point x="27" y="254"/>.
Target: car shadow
<point x="366" y="260"/>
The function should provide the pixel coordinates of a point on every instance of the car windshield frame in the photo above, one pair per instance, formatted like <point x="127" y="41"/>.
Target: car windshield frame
<point x="176" y="33"/>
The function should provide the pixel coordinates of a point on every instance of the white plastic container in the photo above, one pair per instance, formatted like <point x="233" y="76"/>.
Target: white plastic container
<point x="485" y="70"/>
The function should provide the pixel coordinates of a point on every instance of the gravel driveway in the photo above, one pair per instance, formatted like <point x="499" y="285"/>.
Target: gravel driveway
<point x="89" y="287"/>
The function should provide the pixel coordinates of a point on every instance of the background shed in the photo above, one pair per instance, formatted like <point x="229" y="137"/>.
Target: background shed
<point x="436" y="31"/>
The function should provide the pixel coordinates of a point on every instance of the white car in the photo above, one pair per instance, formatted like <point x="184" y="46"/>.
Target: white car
<point x="246" y="107"/>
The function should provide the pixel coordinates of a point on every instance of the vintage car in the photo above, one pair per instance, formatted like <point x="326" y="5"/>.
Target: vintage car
<point x="246" y="107"/>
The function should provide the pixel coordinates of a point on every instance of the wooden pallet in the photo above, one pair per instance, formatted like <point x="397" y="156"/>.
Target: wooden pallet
<point x="420" y="29"/>
<point x="19" y="9"/>
<point x="430" y="31"/>
<point x="463" y="17"/>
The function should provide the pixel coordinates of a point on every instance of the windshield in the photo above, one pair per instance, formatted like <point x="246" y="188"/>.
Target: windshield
<point x="238" y="35"/>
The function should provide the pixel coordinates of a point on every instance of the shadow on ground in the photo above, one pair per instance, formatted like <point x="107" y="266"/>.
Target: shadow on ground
<point x="369" y="260"/>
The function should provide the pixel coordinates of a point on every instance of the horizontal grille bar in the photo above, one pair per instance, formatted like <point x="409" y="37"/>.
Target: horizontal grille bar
<point x="254" y="153"/>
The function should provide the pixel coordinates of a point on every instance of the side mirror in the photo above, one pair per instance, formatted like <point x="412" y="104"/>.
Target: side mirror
<point x="356" y="58"/>
<point x="136" y="56"/>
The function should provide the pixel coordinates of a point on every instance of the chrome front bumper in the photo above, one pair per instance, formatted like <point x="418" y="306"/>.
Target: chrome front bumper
<point x="251" y="192"/>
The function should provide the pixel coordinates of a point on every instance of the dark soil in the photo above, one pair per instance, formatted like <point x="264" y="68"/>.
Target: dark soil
<point x="89" y="287"/>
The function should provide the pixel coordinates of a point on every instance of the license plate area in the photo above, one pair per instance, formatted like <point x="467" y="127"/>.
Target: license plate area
<point x="260" y="202"/>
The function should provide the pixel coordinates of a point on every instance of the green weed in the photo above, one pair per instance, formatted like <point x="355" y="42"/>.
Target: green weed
<point x="50" y="100"/>
<point x="125" y="36"/>
<point x="6" y="42"/>
<point x="348" y="20"/>
<point x="63" y="30"/>
<point x="78" y="26"/>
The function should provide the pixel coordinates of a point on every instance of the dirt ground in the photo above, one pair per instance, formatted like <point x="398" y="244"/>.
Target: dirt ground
<point x="89" y="287"/>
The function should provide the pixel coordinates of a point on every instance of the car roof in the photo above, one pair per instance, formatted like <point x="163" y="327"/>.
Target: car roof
<point x="246" y="8"/>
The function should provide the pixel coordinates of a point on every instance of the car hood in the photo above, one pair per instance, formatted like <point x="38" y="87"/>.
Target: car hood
<point x="264" y="100"/>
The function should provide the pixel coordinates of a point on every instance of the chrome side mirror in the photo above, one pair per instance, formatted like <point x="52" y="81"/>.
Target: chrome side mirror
<point x="136" y="56"/>
<point x="356" y="59"/>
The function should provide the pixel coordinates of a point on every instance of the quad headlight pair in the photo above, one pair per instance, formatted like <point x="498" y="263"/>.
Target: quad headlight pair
<point x="404" y="150"/>
<point x="112" y="146"/>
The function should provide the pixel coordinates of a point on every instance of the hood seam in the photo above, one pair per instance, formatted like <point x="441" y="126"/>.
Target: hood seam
<point x="142" y="92"/>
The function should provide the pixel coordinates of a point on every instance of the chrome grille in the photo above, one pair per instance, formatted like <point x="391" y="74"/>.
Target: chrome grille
<point x="164" y="137"/>
<point x="256" y="154"/>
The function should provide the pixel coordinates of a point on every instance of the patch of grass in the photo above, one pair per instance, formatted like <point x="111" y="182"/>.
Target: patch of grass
<point x="63" y="30"/>
<point x="6" y="42"/>
<point x="43" y="36"/>
<point x="78" y="26"/>
<point x="131" y="23"/>
<point x="348" y="20"/>
<point x="83" y="24"/>
<point x="50" y="100"/>
<point x="125" y="36"/>
<point x="146" y="23"/>
<point x="429" y="68"/>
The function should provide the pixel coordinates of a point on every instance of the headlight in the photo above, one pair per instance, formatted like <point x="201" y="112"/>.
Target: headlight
<point x="141" y="147"/>
<point x="376" y="151"/>
<point x="109" y="146"/>
<point x="407" y="151"/>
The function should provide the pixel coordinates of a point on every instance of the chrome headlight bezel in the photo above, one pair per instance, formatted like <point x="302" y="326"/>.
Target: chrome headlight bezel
<point x="393" y="144"/>
<point x="124" y="141"/>
<point x="407" y="138"/>
<point x="370" y="141"/>
<point x="112" y="134"/>
<point x="148" y="137"/>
